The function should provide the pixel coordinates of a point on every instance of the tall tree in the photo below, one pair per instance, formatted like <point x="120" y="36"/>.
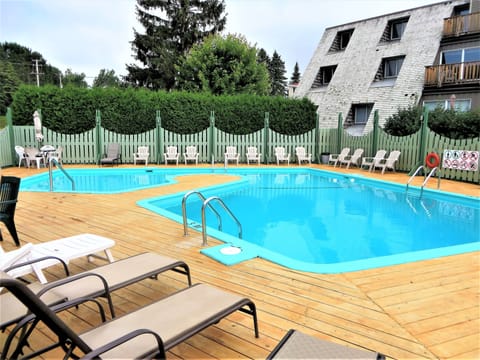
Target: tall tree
<point x="223" y="65"/>
<point x="106" y="78"/>
<point x="9" y="83"/>
<point x="74" y="79"/>
<point x="172" y="27"/>
<point x="277" y="75"/>
<point x="295" y="79"/>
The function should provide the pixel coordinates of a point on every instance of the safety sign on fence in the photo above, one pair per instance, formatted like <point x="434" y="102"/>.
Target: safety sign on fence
<point x="460" y="160"/>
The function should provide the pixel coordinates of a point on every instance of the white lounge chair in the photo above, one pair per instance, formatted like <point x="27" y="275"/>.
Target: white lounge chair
<point x="282" y="155"/>
<point x="336" y="158"/>
<point x="253" y="154"/>
<point x="353" y="159"/>
<point x="302" y="155"/>
<point x="65" y="249"/>
<point x="142" y="154"/>
<point x="388" y="163"/>
<point x="231" y="154"/>
<point x="370" y="162"/>
<point x="171" y="154"/>
<point x="191" y="154"/>
<point x="112" y="154"/>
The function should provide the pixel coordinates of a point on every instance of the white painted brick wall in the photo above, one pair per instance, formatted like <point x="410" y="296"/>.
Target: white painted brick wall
<point x="359" y="62"/>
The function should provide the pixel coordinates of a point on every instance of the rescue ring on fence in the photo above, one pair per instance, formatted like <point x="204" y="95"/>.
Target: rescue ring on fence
<point x="432" y="160"/>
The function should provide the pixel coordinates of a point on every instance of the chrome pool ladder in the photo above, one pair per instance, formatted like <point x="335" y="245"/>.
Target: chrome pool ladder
<point x="54" y="160"/>
<point x="426" y="178"/>
<point x="207" y="203"/>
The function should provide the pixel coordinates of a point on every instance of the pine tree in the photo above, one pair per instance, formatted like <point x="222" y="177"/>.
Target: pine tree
<point x="295" y="79"/>
<point x="277" y="75"/>
<point x="169" y="36"/>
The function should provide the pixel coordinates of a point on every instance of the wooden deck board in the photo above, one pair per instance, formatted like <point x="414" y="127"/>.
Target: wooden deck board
<point x="428" y="309"/>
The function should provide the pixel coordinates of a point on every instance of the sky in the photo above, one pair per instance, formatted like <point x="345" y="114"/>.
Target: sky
<point x="89" y="35"/>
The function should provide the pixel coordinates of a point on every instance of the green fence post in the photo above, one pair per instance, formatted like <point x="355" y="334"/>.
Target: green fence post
<point x="213" y="140"/>
<point x="316" y="138"/>
<point x="375" y="132"/>
<point x="98" y="136"/>
<point x="339" y="132"/>
<point x="159" y="144"/>
<point x="11" y="134"/>
<point x="266" y="124"/>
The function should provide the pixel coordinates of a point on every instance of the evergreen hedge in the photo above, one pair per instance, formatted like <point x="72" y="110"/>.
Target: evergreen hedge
<point x="131" y="111"/>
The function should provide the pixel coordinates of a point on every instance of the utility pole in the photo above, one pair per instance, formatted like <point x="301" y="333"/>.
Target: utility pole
<point x="37" y="72"/>
<point x="60" y="76"/>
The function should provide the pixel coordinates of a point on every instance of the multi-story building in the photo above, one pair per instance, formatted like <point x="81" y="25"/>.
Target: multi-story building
<point x="383" y="63"/>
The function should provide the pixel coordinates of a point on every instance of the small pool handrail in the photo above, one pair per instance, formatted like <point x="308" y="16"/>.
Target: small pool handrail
<point x="225" y="207"/>
<point x="54" y="160"/>
<point x="184" y="210"/>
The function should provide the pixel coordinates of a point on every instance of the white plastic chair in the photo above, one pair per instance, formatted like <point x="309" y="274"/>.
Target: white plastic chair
<point x="22" y="156"/>
<point x="282" y="155"/>
<point x="302" y="155"/>
<point x="353" y="159"/>
<point x="388" y="163"/>
<point x="171" y="154"/>
<point x="142" y="154"/>
<point x="191" y="154"/>
<point x="34" y="156"/>
<point x="336" y="158"/>
<point x="253" y="154"/>
<point x="231" y="154"/>
<point x="371" y="162"/>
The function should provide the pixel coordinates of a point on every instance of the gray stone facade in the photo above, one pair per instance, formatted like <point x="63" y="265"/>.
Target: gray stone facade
<point x="355" y="80"/>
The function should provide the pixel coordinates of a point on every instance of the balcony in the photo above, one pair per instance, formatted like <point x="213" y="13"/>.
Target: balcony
<point x="452" y="74"/>
<point x="461" y="25"/>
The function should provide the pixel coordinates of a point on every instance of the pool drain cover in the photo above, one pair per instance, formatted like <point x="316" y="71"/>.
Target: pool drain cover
<point x="230" y="250"/>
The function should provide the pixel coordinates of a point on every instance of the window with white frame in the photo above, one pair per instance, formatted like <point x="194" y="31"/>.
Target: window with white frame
<point x="459" y="104"/>
<point x="460" y="55"/>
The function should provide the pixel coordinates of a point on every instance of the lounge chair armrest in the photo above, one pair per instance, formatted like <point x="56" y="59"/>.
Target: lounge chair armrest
<point x="33" y="261"/>
<point x="7" y="202"/>
<point x="121" y="340"/>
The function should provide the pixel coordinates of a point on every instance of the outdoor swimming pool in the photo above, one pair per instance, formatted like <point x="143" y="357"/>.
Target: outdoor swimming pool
<point x="305" y="219"/>
<point x="319" y="221"/>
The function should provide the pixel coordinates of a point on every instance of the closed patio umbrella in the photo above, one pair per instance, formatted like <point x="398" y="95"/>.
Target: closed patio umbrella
<point x="37" y="122"/>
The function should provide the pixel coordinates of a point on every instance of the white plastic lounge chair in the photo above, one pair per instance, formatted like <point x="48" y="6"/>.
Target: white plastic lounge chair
<point x="114" y="276"/>
<point x="253" y="154"/>
<point x="171" y="154"/>
<point x="112" y="154"/>
<point x="388" y="163"/>
<point x="56" y="154"/>
<point x="353" y="159"/>
<point x="191" y="154"/>
<point x="370" y="162"/>
<point x="281" y="155"/>
<point x="302" y="155"/>
<point x="231" y="154"/>
<point x="66" y="249"/>
<point x="22" y="156"/>
<point x="144" y="333"/>
<point x="142" y="154"/>
<point x="296" y="345"/>
<point x="33" y="155"/>
<point x="336" y="158"/>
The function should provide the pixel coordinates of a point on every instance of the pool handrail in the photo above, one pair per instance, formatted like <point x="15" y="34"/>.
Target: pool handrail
<point x="184" y="210"/>
<point x="225" y="207"/>
<point x="54" y="160"/>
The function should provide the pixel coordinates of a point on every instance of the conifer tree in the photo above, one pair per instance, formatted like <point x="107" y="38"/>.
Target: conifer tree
<point x="277" y="75"/>
<point x="295" y="79"/>
<point x="171" y="29"/>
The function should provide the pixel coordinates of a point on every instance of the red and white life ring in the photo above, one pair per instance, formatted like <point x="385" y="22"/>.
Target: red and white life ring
<point x="432" y="160"/>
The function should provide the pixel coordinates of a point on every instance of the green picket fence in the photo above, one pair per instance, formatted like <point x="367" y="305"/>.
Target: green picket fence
<point x="88" y="147"/>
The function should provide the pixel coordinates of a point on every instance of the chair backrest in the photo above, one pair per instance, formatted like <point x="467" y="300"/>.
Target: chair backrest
<point x="280" y="152"/>
<point x="9" y="187"/>
<point x="113" y="150"/>
<point x="142" y="151"/>
<point x="20" y="150"/>
<point x="379" y="156"/>
<point x="344" y="153"/>
<point x="191" y="151"/>
<point x="231" y="150"/>
<point x="171" y="151"/>
<point x="252" y="151"/>
<point x="392" y="157"/>
<point x="66" y="336"/>
<point x="300" y="151"/>
<point x="357" y="154"/>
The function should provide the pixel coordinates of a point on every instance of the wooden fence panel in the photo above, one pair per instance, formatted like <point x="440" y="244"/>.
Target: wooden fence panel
<point x="5" y="150"/>
<point x="200" y="140"/>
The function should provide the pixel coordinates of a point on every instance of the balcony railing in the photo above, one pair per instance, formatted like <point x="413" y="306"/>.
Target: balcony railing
<point x="460" y="25"/>
<point x="451" y="74"/>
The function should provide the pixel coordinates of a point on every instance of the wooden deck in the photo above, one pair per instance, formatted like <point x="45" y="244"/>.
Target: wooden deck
<point x="428" y="309"/>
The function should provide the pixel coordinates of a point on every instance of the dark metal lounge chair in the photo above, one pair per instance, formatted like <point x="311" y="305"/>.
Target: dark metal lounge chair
<point x="145" y="333"/>
<point x="112" y="155"/>
<point x="296" y="345"/>
<point x="116" y="275"/>
<point x="9" y="187"/>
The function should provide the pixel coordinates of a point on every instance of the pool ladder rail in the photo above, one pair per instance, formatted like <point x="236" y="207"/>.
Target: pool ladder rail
<point x="427" y="177"/>
<point x="54" y="160"/>
<point x="207" y="204"/>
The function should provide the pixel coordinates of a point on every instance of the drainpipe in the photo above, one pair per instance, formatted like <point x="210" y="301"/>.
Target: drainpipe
<point x="158" y="121"/>
<point x="265" y="137"/>
<point x="339" y="132"/>
<point x="375" y="133"/>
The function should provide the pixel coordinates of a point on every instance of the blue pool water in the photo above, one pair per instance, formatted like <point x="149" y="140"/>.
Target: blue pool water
<point x="319" y="221"/>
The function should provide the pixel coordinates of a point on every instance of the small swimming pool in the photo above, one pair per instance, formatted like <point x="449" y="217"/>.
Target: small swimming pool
<point x="318" y="221"/>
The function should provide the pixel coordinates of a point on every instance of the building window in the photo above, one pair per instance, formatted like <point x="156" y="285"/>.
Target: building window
<point x="341" y="40"/>
<point x="394" y="29"/>
<point x="324" y="76"/>
<point x="460" y="56"/>
<point x="360" y="113"/>
<point x="458" y="105"/>
<point x="392" y="67"/>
